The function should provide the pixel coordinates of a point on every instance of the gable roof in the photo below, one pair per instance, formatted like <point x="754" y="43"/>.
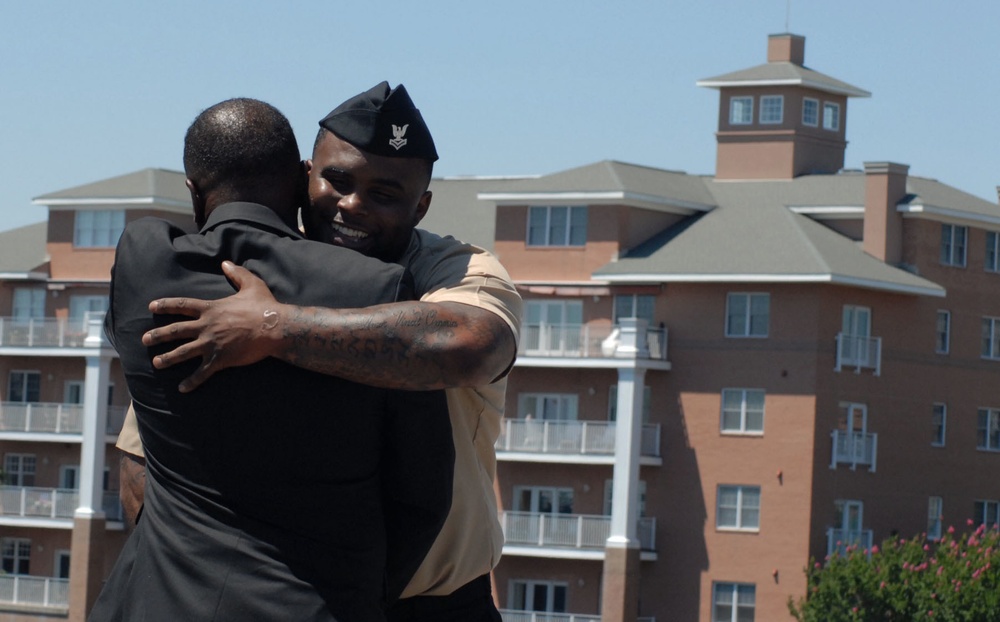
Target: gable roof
<point x="783" y="73"/>
<point x="162" y="187"/>
<point x="23" y="251"/>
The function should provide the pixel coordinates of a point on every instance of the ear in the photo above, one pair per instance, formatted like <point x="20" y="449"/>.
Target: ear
<point x="197" y="202"/>
<point x="423" y="205"/>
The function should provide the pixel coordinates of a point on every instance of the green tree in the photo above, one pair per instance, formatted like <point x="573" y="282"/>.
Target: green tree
<point x="956" y="579"/>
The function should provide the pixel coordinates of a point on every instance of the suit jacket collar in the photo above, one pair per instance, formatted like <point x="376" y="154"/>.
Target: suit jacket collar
<point x="254" y="214"/>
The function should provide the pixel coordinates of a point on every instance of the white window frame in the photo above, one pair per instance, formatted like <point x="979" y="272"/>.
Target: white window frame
<point x="647" y="398"/>
<point x="954" y="245"/>
<point x="19" y="469"/>
<point x="815" y="112"/>
<point x="556" y="495"/>
<point x="747" y="299"/>
<point x="935" y="518"/>
<point x="990" y="338"/>
<point x="992" y="260"/>
<point x="743" y="510"/>
<point x="57" y="568"/>
<point x="939" y="421"/>
<point x="25" y="389"/>
<point x="98" y="228"/>
<point x="538" y="405"/>
<point x="576" y="222"/>
<point x="727" y="596"/>
<point x="609" y="491"/>
<point x="13" y="553"/>
<point x="552" y="326"/>
<point x="81" y="305"/>
<point x="942" y="341"/>
<point x="743" y="429"/>
<point x="983" y="510"/>
<point x="831" y="116"/>
<point x="641" y="306"/>
<point x="528" y="587"/>
<point x="741" y="110"/>
<point x="28" y="303"/>
<point x="988" y="429"/>
<point x="769" y="104"/>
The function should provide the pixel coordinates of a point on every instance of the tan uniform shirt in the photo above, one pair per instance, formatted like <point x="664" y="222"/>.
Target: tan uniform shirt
<point x="471" y="539"/>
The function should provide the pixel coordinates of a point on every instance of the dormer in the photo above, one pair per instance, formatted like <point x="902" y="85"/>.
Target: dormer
<point x="781" y="119"/>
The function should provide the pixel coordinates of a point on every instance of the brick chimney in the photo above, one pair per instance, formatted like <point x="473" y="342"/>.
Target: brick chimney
<point x="885" y="188"/>
<point x="786" y="48"/>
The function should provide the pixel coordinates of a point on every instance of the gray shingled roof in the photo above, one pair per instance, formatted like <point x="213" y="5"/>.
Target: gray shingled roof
<point x="164" y="187"/>
<point x="455" y="211"/>
<point x="780" y="73"/>
<point x="23" y="250"/>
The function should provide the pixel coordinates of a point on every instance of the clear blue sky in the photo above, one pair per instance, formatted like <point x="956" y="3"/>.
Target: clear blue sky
<point x="90" y="90"/>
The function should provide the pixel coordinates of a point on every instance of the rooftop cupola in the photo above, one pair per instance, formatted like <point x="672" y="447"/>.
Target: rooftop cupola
<point x="781" y="119"/>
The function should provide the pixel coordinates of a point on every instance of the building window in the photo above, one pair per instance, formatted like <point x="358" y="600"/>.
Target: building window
<point x="733" y="602"/>
<point x="543" y="596"/>
<point x="953" y="239"/>
<point x="98" y="228"/>
<point x="991" y="338"/>
<point x="743" y="411"/>
<point x="831" y="116"/>
<point x="738" y="507"/>
<point x="935" y="512"/>
<point x="741" y="110"/>
<point x="609" y="492"/>
<point x="80" y="306"/>
<point x="772" y="109"/>
<point x="810" y="112"/>
<point x="641" y="306"/>
<point x="16" y="555"/>
<point x="553" y="327"/>
<point x="543" y="500"/>
<point x="943" y="341"/>
<point x="19" y="469"/>
<point x="24" y="386"/>
<point x="647" y="395"/>
<point x="988" y="429"/>
<point x="557" y="226"/>
<point x="992" y="251"/>
<point x="986" y="513"/>
<point x="747" y="315"/>
<point x="939" y="421"/>
<point x="548" y="406"/>
<point x="29" y="304"/>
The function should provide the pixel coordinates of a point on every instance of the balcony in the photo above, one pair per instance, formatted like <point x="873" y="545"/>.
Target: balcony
<point x="49" y="507"/>
<point x="32" y="591"/>
<point x="854" y="448"/>
<point x="516" y="615"/>
<point x="585" y="346"/>
<point x="837" y="540"/>
<point x="585" y="442"/>
<point x="859" y="353"/>
<point x="43" y="420"/>
<point x="568" y="536"/>
<point x="44" y="332"/>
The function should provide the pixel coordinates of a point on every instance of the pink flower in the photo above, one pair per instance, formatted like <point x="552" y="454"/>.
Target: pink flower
<point x="874" y="549"/>
<point x="968" y="522"/>
<point x="951" y="529"/>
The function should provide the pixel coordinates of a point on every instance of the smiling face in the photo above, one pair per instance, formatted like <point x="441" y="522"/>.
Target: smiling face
<point x="362" y="201"/>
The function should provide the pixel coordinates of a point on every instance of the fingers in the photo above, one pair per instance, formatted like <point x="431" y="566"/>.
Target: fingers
<point x="171" y="332"/>
<point x="186" y="352"/>
<point x="195" y="380"/>
<point x="191" y="307"/>
<point x="240" y="276"/>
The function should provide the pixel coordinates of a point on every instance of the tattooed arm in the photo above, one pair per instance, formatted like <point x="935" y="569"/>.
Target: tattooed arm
<point x="403" y="345"/>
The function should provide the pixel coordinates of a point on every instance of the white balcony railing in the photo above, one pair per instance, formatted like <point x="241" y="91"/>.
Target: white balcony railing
<point x="859" y="353"/>
<point x="576" y="531"/>
<point x="854" y="448"/>
<point x="570" y="437"/>
<point x="52" y="503"/>
<point x="46" y="332"/>
<point x="35" y="591"/>
<point x="577" y="340"/>
<point x="52" y="418"/>
<point x="517" y="615"/>
<point x="837" y="540"/>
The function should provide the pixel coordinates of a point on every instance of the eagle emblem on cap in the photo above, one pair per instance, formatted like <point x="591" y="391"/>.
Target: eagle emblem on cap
<point x="398" y="133"/>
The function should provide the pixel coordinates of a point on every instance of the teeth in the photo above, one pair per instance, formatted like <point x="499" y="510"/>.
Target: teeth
<point x="351" y="233"/>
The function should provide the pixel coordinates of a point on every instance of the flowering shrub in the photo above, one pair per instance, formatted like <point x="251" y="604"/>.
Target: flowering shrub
<point x="956" y="579"/>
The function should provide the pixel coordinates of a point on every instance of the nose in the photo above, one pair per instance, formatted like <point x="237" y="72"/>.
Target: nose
<point x="351" y="203"/>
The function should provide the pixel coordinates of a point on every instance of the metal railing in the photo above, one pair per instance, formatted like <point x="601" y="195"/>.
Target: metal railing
<point x="37" y="591"/>
<point x="580" y="340"/>
<point x="577" y="531"/>
<point x="46" y="332"/>
<point x="859" y="353"/>
<point x="53" y="418"/>
<point x="53" y="503"/>
<point x="854" y="448"/>
<point x="837" y="540"/>
<point x="517" y="615"/>
<point x="570" y="437"/>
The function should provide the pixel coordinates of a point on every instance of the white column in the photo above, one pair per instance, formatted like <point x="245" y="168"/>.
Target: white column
<point x="95" y="417"/>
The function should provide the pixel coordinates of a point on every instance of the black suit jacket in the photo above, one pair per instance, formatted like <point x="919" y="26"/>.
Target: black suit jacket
<point x="273" y="493"/>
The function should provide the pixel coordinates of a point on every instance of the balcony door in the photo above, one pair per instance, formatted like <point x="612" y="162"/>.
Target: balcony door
<point x="849" y="517"/>
<point x="543" y="500"/>
<point x="29" y="304"/>
<point x="856" y="326"/>
<point x="542" y="596"/>
<point x="24" y="386"/>
<point x="553" y="326"/>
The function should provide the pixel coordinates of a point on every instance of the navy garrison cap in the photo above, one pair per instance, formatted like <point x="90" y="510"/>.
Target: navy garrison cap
<point x="383" y="121"/>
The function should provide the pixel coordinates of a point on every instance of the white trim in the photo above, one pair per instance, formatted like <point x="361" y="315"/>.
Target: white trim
<point x="607" y="197"/>
<point x="944" y="213"/>
<point x="563" y="283"/>
<point x="813" y="84"/>
<point x="832" y="279"/>
<point x="98" y="203"/>
<point x="829" y="212"/>
<point x="25" y="276"/>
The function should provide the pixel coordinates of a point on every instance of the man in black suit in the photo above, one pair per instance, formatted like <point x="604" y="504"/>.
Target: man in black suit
<point x="273" y="493"/>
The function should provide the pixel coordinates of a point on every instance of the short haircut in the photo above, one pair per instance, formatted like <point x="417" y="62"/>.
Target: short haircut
<point x="239" y="142"/>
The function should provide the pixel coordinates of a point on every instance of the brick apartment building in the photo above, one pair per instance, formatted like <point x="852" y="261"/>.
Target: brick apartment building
<point x="719" y="377"/>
